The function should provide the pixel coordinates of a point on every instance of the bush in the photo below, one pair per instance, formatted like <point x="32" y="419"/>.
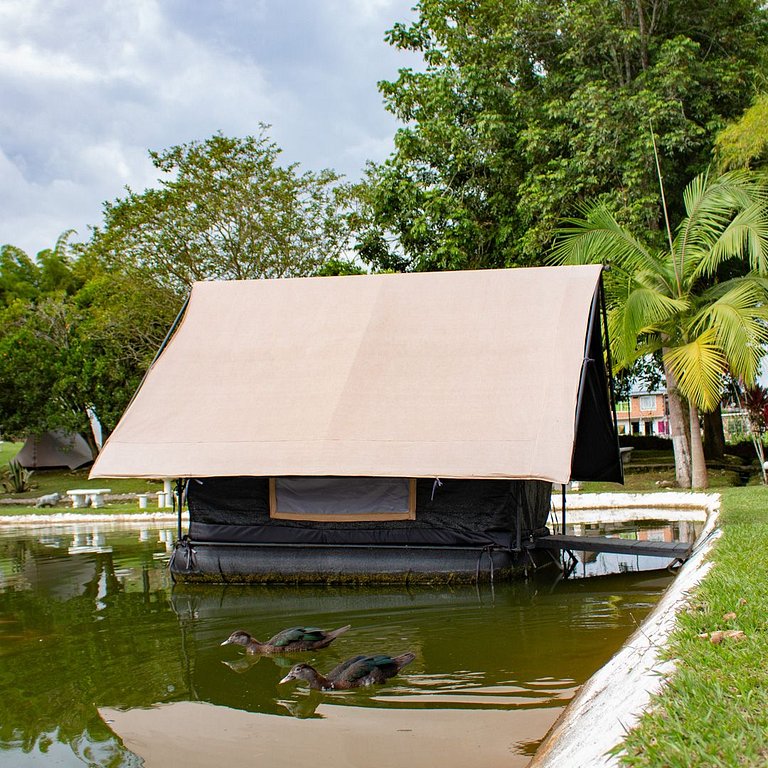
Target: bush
<point x="16" y="478"/>
<point x="744" y="450"/>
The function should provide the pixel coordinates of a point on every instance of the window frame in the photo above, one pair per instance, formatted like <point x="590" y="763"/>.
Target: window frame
<point x="354" y="517"/>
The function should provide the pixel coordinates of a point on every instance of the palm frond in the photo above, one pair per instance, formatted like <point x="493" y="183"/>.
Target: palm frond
<point x="643" y="312"/>
<point x="724" y="218"/>
<point x="739" y="320"/>
<point x="699" y="366"/>
<point x="623" y="346"/>
<point x="734" y="190"/>
<point x="745" y="237"/>
<point x="597" y="238"/>
<point x="646" y="308"/>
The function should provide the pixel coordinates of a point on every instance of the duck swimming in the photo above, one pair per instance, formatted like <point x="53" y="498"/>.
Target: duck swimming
<point x="357" y="672"/>
<point x="288" y="640"/>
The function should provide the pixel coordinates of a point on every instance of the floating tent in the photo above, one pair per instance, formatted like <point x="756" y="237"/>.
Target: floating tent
<point x="56" y="448"/>
<point x="373" y="426"/>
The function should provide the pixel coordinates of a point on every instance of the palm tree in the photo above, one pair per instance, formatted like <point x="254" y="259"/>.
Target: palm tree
<point x="702" y="301"/>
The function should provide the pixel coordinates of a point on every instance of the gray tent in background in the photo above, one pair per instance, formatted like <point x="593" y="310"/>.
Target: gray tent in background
<point x="57" y="448"/>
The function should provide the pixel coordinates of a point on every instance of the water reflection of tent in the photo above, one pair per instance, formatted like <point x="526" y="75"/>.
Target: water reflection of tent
<point x="360" y="736"/>
<point x="373" y="426"/>
<point x="56" y="448"/>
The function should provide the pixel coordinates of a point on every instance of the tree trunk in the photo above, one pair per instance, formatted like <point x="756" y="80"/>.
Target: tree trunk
<point x="714" y="438"/>
<point x="678" y="421"/>
<point x="699" y="478"/>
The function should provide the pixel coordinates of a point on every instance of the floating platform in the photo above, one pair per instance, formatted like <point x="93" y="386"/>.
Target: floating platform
<point x="672" y="550"/>
<point x="242" y="563"/>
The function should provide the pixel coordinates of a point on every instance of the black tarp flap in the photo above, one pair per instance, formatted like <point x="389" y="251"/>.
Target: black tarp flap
<point x="596" y="453"/>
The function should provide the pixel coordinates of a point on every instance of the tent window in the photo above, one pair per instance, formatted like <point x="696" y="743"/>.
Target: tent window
<point x="342" y="499"/>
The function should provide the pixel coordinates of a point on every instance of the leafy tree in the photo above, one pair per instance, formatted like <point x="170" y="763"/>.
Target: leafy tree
<point x="24" y="278"/>
<point x="37" y="338"/>
<point x="676" y="300"/>
<point x="226" y="209"/>
<point x="38" y="348"/>
<point x="73" y="338"/>
<point x="524" y="108"/>
<point x="19" y="276"/>
<point x="744" y="143"/>
<point x="124" y="321"/>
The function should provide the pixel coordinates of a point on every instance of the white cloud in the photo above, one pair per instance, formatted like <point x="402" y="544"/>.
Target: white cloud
<point x="88" y="88"/>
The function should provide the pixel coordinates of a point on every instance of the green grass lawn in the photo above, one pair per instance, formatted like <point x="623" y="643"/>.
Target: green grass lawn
<point x="49" y="480"/>
<point x="111" y="508"/>
<point x="8" y="451"/>
<point x="640" y="481"/>
<point x="714" y="712"/>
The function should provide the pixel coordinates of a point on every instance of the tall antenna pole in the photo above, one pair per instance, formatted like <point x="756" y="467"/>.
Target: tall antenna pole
<point x="664" y="206"/>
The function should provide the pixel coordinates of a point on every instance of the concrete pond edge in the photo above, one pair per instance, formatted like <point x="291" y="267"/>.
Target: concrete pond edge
<point x="611" y="702"/>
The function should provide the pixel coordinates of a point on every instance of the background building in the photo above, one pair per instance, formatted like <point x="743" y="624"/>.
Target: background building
<point x="644" y="413"/>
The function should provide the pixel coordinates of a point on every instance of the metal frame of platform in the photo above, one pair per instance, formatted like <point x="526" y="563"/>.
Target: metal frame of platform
<point x="676" y="550"/>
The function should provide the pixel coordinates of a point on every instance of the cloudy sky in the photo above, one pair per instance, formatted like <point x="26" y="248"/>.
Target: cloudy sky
<point x="87" y="88"/>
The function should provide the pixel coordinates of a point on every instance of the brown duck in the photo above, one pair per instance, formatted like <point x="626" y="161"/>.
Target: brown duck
<point x="357" y="672"/>
<point x="288" y="640"/>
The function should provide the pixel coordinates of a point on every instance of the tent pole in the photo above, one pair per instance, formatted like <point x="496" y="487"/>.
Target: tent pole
<point x="563" y="516"/>
<point x="177" y="502"/>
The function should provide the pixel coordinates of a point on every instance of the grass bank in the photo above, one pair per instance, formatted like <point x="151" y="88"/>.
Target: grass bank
<point x="714" y="711"/>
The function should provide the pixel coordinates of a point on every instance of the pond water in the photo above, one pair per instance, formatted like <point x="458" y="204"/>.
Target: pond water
<point x="104" y="662"/>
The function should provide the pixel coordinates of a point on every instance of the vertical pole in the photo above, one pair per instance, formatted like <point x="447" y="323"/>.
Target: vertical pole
<point x="177" y="502"/>
<point x="563" y="517"/>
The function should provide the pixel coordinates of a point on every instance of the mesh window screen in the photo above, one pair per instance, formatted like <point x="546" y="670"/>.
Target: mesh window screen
<point x="342" y="498"/>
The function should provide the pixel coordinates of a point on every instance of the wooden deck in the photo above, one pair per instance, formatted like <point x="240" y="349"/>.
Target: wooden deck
<point x="673" y="550"/>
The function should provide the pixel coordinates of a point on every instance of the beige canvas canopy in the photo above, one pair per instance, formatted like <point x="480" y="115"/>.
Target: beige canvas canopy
<point x="471" y="374"/>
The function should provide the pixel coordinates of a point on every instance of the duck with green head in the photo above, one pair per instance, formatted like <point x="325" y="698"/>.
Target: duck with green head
<point x="357" y="672"/>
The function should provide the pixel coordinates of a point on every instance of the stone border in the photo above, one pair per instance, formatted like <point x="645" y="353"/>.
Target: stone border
<point x="660" y="500"/>
<point x="610" y="703"/>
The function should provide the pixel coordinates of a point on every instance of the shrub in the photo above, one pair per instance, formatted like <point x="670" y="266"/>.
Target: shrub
<point x="16" y="479"/>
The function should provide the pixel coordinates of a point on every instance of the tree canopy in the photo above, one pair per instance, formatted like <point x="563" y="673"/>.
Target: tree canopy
<point x="226" y="209"/>
<point x="526" y="107"/>
<point x="744" y="143"/>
